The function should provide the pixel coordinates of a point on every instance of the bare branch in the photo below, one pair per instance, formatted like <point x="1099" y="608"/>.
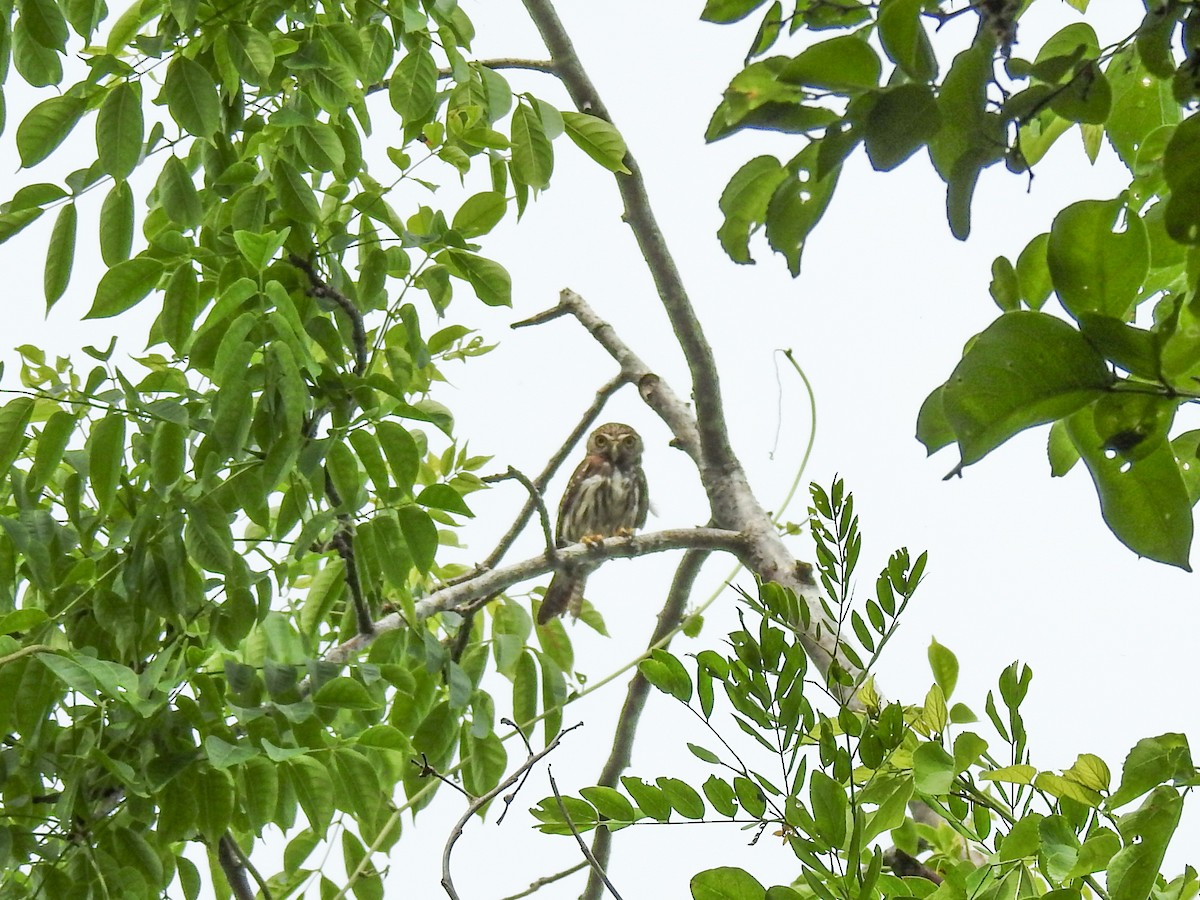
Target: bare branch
<point x="635" y="701"/>
<point x="480" y="802"/>
<point x="654" y="391"/>
<point x="535" y="496"/>
<point x="706" y="388"/>
<point x="552" y="466"/>
<point x="597" y="870"/>
<point x="536" y="886"/>
<point x="486" y="584"/>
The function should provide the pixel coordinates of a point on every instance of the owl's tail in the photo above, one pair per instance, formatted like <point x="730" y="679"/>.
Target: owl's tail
<point x="564" y="593"/>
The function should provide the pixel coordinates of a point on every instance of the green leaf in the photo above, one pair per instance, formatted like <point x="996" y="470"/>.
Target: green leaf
<point x="1025" y="369"/>
<point x="843" y="64"/>
<point x="420" y="534"/>
<point x="1033" y="272"/>
<point x="525" y="691"/>
<point x="168" y="454"/>
<point x="721" y="796"/>
<point x="901" y="120"/>
<point x="314" y="790"/>
<point x="1086" y="98"/>
<point x="1019" y="774"/>
<point x="1023" y="840"/>
<point x="829" y="808"/>
<point x="598" y="138"/>
<point x="345" y="693"/>
<point x="933" y="769"/>
<point x="443" y="496"/>
<point x="1134" y="870"/>
<point x="489" y="279"/>
<point x="413" y="85"/>
<point x="683" y="797"/>
<point x="401" y="452"/>
<point x="532" y="155"/>
<point x="45" y="23"/>
<point x="1096" y="268"/>
<point x="904" y="39"/>
<point x="120" y="130"/>
<point x="650" y="799"/>
<point x="726" y="883"/>
<point x="726" y="11"/>
<point x="1181" y="169"/>
<point x="1145" y="502"/>
<point x="944" y="664"/>
<point x="479" y="214"/>
<point x="14" y="416"/>
<point x="46" y="126"/>
<point x="1005" y="287"/>
<point x="116" y="224"/>
<point x="667" y="674"/>
<point x="106" y="458"/>
<point x="797" y="206"/>
<point x="891" y="812"/>
<point x="214" y="799"/>
<point x="124" y="286"/>
<point x="60" y="255"/>
<point x="1141" y="104"/>
<point x="609" y="803"/>
<point x="744" y="203"/>
<point x="177" y="194"/>
<point x="1152" y="761"/>
<point x="191" y="96"/>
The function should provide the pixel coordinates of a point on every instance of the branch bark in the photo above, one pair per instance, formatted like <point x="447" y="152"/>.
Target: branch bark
<point x="635" y="702"/>
<point x="733" y="503"/>
<point x="455" y="596"/>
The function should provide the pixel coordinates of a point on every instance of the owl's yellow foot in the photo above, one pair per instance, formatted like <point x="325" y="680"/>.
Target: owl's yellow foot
<point x="624" y="532"/>
<point x="592" y="540"/>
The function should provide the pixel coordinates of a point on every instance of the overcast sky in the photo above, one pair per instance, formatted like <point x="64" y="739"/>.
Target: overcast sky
<point x="1021" y="566"/>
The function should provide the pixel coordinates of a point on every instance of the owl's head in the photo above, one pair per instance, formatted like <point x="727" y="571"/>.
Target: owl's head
<point x="618" y="443"/>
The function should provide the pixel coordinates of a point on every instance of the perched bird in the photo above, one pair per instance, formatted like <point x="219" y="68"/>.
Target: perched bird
<point x="606" y="497"/>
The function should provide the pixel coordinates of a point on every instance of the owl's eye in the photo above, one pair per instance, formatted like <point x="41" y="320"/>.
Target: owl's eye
<point x="629" y="439"/>
<point x="601" y="440"/>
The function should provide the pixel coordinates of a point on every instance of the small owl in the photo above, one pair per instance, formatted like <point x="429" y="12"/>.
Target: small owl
<point x="606" y="497"/>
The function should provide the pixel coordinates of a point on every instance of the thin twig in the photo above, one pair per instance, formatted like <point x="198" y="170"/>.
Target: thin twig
<point x="508" y="62"/>
<point x="596" y="868"/>
<point x="635" y="701"/>
<point x="343" y="542"/>
<point x="536" y="886"/>
<point x="535" y="495"/>
<point x="508" y="798"/>
<point x="489" y="583"/>
<point x="428" y="771"/>
<point x="480" y="802"/>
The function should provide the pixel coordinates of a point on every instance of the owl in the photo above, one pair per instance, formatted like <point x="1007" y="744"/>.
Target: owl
<point x="606" y="497"/>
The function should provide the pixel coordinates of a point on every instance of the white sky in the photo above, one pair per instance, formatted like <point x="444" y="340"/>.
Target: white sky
<point x="1021" y="566"/>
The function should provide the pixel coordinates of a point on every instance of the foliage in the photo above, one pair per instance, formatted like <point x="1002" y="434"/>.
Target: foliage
<point x="832" y="768"/>
<point x="1113" y="373"/>
<point x="188" y="534"/>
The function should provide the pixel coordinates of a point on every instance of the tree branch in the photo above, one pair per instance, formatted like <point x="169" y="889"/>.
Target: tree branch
<point x="480" y="802"/>
<point x="535" y="497"/>
<point x="706" y="388"/>
<point x="654" y="391"/>
<point x="597" y="869"/>
<point x="454" y="596"/>
<point x="230" y="856"/>
<point x="552" y="466"/>
<point x="635" y="701"/>
<point x="508" y="62"/>
<point x="536" y="886"/>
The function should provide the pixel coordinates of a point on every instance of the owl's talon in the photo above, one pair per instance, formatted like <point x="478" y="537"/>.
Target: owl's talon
<point x="592" y="540"/>
<point x="624" y="532"/>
